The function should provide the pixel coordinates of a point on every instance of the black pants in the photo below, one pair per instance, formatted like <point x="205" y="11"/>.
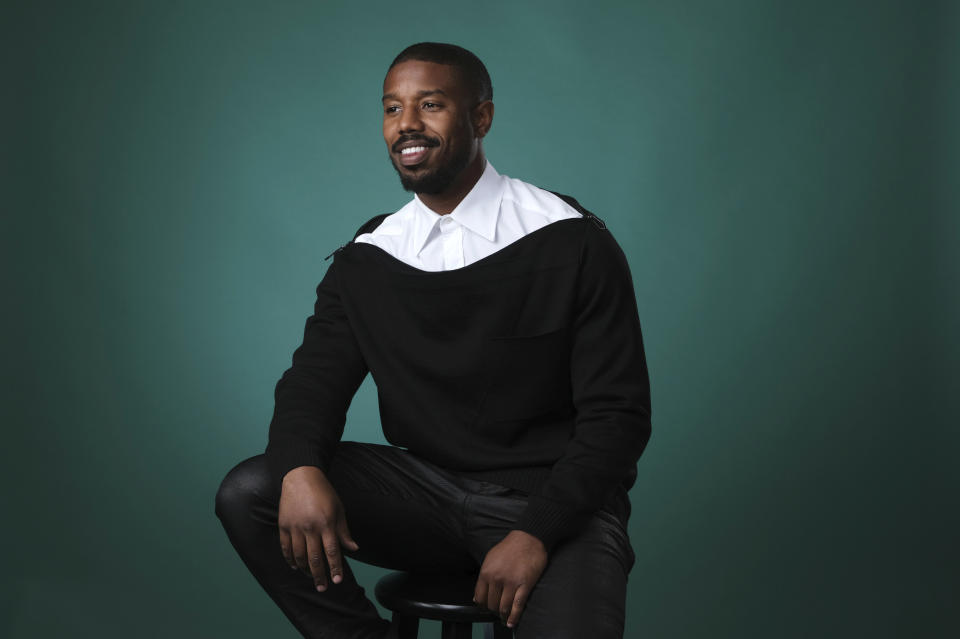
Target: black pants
<point x="407" y="514"/>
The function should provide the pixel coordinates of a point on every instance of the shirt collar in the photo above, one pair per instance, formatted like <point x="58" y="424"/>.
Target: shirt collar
<point x="478" y="211"/>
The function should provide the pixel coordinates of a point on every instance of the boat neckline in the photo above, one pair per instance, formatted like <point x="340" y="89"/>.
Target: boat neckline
<point x="483" y="261"/>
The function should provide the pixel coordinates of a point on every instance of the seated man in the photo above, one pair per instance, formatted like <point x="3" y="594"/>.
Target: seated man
<point x="499" y="323"/>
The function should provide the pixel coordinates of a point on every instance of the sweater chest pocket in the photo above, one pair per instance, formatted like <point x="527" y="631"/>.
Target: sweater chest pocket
<point x="530" y="376"/>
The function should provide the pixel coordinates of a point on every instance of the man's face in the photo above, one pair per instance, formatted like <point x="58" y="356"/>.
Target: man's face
<point x="426" y="111"/>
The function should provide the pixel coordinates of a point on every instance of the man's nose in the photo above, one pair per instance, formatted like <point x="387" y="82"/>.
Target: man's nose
<point x="410" y="121"/>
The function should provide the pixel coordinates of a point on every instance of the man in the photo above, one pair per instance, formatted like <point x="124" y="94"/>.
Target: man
<point x="499" y="323"/>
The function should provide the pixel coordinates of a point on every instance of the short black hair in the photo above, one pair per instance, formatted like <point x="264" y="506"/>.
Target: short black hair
<point x="469" y="66"/>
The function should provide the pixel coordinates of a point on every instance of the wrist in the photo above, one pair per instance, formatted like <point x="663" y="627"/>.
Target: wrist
<point x="528" y="539"/>
<point x="301" y="473"/>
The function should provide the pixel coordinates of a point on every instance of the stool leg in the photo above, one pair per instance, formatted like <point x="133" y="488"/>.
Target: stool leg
<point x="454" y="630"/>
<point x="407" y="627"/>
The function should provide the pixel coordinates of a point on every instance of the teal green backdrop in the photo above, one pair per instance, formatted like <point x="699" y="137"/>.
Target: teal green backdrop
<point x="782" y="176"/>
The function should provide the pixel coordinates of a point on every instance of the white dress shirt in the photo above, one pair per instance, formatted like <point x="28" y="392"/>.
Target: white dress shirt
<point x="497" y="211"/>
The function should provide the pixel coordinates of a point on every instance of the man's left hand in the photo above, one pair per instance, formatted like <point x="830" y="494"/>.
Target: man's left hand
<point x="509" y="572"/>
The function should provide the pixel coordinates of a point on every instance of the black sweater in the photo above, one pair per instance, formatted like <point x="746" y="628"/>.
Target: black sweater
<point x="525" y="368"/>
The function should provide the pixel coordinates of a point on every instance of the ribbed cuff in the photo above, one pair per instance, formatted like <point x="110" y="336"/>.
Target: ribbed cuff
<point x="549" y="521"/>
<point x="282" y="458"/>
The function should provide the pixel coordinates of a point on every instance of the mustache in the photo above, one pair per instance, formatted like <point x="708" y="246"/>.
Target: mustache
<point x="415" y="138"/>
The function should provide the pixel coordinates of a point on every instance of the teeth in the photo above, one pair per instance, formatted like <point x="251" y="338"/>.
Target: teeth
<point x="412" y="149"/>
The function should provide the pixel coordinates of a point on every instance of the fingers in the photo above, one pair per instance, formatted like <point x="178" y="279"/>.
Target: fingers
<point x="286" y="548"/>
<point x="519" y="601"/>
<point x="298" y="546"/>
<point x="343" y="532"/>
<point x="318" y="568"/>
<point x="504" y="600"/>
<point x="480" y="591"/>
<point x="331" y="547"/>
<point x="505" y="604"/>
<point x="494" y="591"/>
<point x="312" y="554"/>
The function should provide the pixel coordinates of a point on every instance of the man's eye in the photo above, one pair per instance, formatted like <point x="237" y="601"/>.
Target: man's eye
<point x="391" y="109"/>
<point x="431" y="105"/>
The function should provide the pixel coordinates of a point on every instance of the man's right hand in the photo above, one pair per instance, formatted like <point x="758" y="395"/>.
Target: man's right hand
<point x="313" y="525"/>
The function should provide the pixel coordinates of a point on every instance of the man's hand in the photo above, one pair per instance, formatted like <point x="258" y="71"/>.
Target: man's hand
<point x="508" y="574"/>
<point x="312" y="525"/>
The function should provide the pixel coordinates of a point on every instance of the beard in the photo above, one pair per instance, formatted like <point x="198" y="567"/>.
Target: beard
<point x="439" y="179"/>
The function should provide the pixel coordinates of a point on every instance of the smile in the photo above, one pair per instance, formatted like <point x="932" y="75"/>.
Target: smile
<point x="413" y="155"/>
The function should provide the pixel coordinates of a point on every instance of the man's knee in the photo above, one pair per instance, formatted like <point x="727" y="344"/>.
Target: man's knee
<point x="245" y="483"/>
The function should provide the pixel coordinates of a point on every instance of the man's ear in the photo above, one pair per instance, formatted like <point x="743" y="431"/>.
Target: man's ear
<point x="482" y="117"/>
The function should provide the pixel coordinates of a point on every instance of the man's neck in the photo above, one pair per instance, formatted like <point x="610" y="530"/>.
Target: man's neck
<point x="443" y="203"/>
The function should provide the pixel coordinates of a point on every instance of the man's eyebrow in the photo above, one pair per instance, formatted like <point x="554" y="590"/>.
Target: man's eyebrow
<point x="420" y="94"/>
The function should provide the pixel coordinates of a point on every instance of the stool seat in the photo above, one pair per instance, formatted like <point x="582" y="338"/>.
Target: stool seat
<point x="447" y="598"/>
<point x="440" y="597"/>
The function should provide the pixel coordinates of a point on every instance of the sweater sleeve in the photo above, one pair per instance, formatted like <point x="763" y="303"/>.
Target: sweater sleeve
<point x="312" y="396"/>
<point x="611" y="396"/>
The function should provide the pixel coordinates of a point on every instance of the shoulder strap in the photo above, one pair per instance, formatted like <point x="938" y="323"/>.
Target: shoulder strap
<point x="573" y="202"/>
<point x="367" y="227"/>
<point x="370" y="224"/>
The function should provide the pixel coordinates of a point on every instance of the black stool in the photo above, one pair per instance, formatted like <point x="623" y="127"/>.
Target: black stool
<point x="446" y="598"/>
